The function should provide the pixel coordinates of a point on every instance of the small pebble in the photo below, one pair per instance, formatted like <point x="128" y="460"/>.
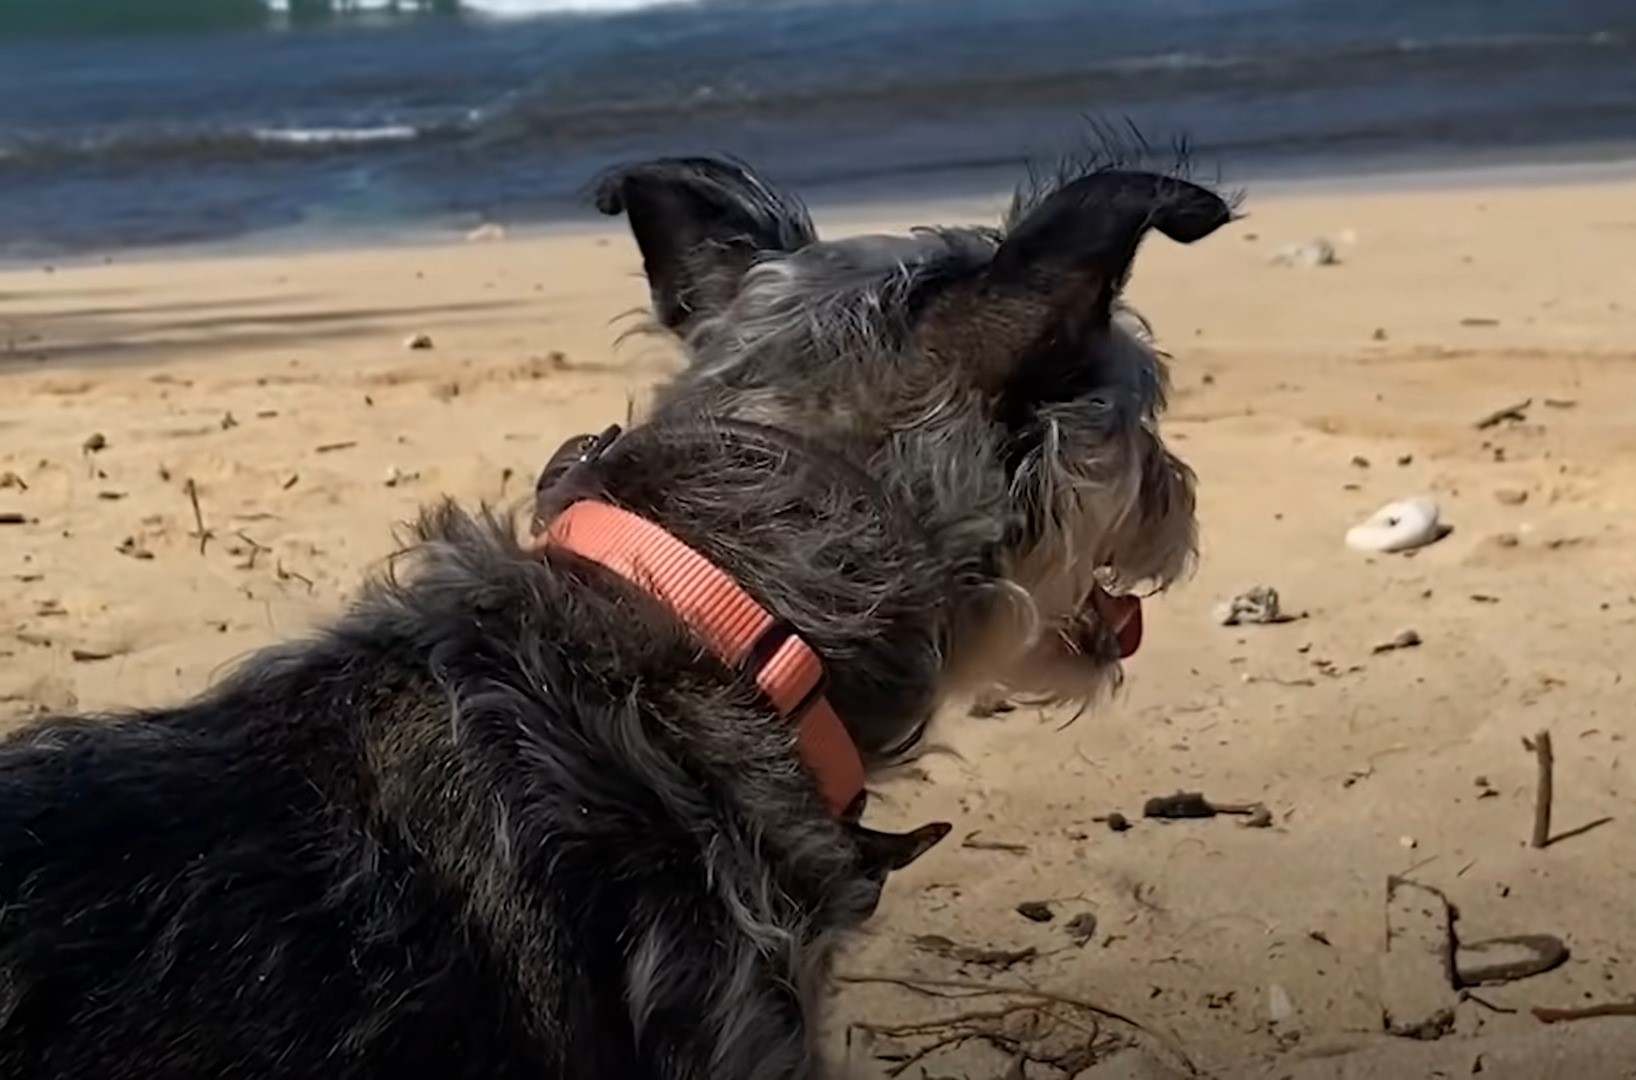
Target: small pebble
<point x="417" y="341"/>
<point x="1081" y="927"/>
<point x="1036" y="911"/>
<point x="1508" y="496"/>
<point x="96" y="442"/>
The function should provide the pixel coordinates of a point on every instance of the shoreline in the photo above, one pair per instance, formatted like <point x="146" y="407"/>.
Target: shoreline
<point x="978" y="193"/>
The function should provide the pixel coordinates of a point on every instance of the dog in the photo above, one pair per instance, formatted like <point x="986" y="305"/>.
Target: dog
<point x="587" y="804"/>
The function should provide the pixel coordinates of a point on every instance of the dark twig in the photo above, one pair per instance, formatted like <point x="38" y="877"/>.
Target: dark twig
<point x="1540" y="744"/>
<point x="1467" y="995"/>
<point x="255" y="549"/>
<point x="1517" y="412"/>
<point x="285" y="574"/>
<point x="200" y="533"/>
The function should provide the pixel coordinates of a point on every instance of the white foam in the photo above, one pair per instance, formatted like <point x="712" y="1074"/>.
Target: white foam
<point x="389" y="133"/>
<point x="524" y="8"/>
<point x="515" y="8"/>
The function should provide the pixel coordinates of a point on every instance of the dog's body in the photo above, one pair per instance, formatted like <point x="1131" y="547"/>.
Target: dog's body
<point x="507" y="818"/>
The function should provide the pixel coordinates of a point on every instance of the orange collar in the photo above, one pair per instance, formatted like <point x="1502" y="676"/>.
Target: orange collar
<point x="741" y="632"/>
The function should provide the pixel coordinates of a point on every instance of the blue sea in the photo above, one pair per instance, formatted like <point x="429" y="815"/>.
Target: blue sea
<point x="147" y="122"/>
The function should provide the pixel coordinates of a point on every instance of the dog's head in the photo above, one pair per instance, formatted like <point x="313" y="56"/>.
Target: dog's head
<point x="989" y="378"/>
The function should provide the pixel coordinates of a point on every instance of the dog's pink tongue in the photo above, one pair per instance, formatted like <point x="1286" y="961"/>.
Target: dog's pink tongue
<point x="1124" y="615"/>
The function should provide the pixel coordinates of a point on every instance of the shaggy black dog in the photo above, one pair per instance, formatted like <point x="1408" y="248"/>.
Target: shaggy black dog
<point x="510" y="819"/>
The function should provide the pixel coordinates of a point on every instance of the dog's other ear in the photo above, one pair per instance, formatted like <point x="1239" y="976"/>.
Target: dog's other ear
<point x="701" y="223"/>
<point x="883" y="852"/>
<point x="1056" y="274"/>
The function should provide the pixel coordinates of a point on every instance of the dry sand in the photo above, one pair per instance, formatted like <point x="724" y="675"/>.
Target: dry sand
<point x="280" y="387"/>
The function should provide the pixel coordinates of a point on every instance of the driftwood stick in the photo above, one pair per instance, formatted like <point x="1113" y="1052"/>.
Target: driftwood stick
<point x="1584" y="1012"/>
<point x="1540" y="744"/>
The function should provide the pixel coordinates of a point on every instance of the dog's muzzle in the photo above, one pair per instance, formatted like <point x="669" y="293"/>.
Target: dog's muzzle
<point x="1122" y="616"/>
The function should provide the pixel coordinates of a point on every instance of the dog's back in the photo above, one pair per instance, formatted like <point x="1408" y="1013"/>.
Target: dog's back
<point x="180" y="898"/>
<point x="437" y="840"/>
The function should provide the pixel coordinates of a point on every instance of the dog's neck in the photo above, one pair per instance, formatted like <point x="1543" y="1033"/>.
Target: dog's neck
<point x="737" y="629"/>
<point x="805" y="533"/>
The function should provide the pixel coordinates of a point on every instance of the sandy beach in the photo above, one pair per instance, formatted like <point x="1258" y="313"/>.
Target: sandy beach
<point x="202" y="454"/>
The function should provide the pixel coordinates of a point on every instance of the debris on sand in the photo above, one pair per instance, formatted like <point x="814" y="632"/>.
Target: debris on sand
<point x="395" y="477"/>
<point x="1259" y="817"/>
<point x="1188" y="805"/>
<point x="488" y="231"/>
<point x="1116" y="822"/>
<point x="943" y="947"/>
<point x="1036" y="911"/>
<point x="12" y="517"/>
<point x="1311" y="253"/>
<point x="1081" y="928"/>
<point x="1404" y="639"/>
<point x="1180" y="806"/>
<point x="1510" y="414"/>
<point x="417" y="342"/>
<point x="1260" y="606"/>
<point x="10" y="480"/>
<point x="95" y="442"/>
<point x="1510" y="496"/>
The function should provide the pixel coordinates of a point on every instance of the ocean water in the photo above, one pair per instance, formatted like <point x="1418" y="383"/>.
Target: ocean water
<point x="144" y="122"/>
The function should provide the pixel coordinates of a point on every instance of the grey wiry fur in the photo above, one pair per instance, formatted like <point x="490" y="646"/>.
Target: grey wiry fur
<point x="507" y="819"/>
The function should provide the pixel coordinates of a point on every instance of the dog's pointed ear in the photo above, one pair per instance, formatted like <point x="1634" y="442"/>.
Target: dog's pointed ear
<point x="882" y="853"/>
<point x="700" y="223"/>
<point x="1058" y="270"/>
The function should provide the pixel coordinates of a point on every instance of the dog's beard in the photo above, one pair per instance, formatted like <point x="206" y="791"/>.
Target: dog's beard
<point x="1082" y="581"/>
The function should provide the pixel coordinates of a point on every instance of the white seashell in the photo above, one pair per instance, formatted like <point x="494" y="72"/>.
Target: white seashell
<point x="1398" y="526"/>
<point x="1312" y="253"/>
